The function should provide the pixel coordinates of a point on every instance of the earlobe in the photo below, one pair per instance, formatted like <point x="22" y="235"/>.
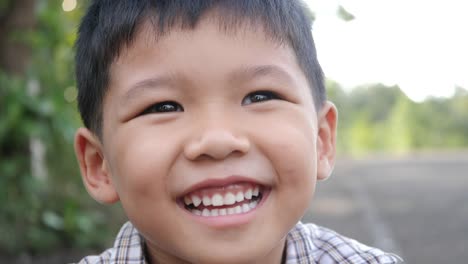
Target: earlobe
<point x="94" y="168"/>
<point x="326" y="140"/>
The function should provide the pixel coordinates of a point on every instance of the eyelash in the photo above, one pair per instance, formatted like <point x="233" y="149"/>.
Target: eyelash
<point x="171" y="106"/>
<point x="164" y="107"/>
<point x="260" y="96"/>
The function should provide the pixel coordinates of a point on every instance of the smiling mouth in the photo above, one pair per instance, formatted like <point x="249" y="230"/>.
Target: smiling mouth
<point x="234" y="199"/>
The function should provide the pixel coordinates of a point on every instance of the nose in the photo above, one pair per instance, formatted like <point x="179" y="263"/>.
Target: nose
<point x="217" y="143"/>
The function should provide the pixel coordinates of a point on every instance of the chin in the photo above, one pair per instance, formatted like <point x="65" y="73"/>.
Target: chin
<point x="228" y="259"/>
<point x="252" y="252"/>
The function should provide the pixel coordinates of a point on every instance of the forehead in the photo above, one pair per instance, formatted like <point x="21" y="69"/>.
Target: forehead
<point x="206" y="52"/>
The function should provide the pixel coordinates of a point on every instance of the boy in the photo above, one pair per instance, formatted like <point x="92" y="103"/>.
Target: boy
<point x="208" y="121"/>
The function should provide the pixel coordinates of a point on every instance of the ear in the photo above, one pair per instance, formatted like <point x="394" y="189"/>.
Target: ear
<point x="94" y="168"/>
<point x="326" y="140"/>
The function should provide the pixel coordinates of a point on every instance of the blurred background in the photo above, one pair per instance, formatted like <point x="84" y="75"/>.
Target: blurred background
<point x="396" y="74"/>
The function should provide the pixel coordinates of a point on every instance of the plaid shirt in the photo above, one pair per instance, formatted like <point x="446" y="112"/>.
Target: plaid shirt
<point x="305" y="243"/>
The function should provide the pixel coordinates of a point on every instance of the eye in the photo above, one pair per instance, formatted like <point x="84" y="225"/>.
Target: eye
<point x="259" y="96"/>
<point x="163" y="107"/>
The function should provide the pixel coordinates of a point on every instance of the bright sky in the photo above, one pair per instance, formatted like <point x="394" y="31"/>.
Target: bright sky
<point x="420" y="45"/>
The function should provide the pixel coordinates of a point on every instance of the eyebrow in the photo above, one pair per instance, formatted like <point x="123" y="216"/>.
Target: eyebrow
<point x="249" y="73"/>
<point x="146" y="84"/>
<point x="243" y="74"/>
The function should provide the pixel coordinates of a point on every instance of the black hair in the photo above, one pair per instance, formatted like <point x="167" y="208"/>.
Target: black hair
<point x="111" y="25"/>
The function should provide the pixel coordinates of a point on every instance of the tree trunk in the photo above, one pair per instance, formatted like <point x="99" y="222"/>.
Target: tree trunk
<point x="17" y="18"/>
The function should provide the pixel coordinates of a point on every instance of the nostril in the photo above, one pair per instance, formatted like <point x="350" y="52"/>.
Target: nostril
<point x="216" y="145"/>
<point x="192" y="150"/>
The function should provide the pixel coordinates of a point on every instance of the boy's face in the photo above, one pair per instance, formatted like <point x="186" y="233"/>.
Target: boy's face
<point x="215" y="116"/>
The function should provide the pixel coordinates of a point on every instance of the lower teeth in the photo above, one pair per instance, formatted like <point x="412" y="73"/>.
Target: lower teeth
<point x="239" y="209"/>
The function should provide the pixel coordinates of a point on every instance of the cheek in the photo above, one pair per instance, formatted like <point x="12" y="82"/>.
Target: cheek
<point x="140" y="164"/>
<point x="291" y="147"/>
<point x="296" y="159"/>
<point x="140" y="168"/>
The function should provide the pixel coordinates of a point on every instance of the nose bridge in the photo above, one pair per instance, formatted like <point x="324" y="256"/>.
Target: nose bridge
<point x="216" y="134"/>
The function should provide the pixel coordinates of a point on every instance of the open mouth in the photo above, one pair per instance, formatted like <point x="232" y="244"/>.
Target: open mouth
<point x="234" y="199"/>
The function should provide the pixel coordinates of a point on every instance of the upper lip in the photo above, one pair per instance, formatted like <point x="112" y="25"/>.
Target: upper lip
<point x="219" y="182"/>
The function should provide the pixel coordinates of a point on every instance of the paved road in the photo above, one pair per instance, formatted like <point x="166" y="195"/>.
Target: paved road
<point x="416" y="207"/>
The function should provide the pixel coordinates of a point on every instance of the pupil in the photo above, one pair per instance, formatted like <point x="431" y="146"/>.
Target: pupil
<point x="259" y="97"/>
<point x="166" y="108"/>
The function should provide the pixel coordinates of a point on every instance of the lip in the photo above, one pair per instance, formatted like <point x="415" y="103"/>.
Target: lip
<point x="219" y="183"/>
<point x="229" y="221"/>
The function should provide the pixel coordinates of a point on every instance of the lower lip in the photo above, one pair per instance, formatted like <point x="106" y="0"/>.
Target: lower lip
<point x="227" y="221"/>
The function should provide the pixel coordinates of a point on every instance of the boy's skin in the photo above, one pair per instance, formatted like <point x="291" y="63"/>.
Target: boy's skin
<point x="219" y="135"/>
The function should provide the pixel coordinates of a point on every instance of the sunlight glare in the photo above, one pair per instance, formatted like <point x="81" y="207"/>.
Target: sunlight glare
<point x="68" y="5"/>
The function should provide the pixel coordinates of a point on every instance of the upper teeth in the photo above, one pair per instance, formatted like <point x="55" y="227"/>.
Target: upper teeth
<point x="226" y="211"/>
<point x="218" y="199"/>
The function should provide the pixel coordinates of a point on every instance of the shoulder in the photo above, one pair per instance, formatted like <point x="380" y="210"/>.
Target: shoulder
<point x="128" y="248"/>
<point x="309" y="243"/>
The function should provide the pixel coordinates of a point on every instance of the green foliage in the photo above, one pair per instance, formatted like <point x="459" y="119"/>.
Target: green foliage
<point x="39" y="214"/>
<point x="376" y="118"/>
<point x="342" y="13"/>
